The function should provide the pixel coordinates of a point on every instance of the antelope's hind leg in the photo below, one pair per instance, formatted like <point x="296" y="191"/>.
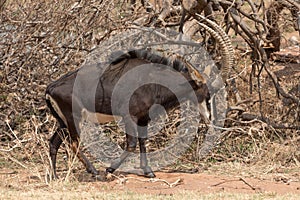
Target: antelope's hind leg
<point x="80" y="155"/>
<point x="54" y="144"/>
<point x="76" y="149"/>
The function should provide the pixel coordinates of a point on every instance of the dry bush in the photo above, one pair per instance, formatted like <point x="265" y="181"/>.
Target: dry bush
<point x="40" y="41"/>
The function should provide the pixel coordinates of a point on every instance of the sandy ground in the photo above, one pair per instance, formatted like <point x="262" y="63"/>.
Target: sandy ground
<point x="164" y="183"/>
<point x="169" y="183"/>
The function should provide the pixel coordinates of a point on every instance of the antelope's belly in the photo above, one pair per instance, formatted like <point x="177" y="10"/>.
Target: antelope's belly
<point x="99" y="118"/>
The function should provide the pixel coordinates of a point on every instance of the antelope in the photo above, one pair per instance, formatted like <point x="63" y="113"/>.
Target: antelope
<point x="86" y="94"/>
<point x="69" y="101"/>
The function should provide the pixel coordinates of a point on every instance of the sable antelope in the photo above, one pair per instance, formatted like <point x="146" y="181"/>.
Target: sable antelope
<point x="69" y="107"/>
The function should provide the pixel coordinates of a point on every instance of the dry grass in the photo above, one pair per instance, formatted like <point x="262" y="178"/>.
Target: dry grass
<point x="44" y="194"/>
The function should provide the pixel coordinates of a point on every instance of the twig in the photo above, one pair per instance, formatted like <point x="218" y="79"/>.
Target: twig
<point x="16" y="161"/>
<point x="240" y="179"/>
<point x="123" y="180"/>
<point x="276" y="125"/>
<point x="6" y="121"/>
<point x="15" y="146"/>
<point x="253" y="188"/>
<point x="154" y="180"/>
<point x="220" y="183"/>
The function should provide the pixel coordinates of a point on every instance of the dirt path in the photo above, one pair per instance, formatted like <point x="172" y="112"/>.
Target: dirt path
<point x="169" y="183"/>
<point x="164" y="183"/>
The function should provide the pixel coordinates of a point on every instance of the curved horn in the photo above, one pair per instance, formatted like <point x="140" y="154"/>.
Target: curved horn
<point x="220" y="35"/>
<point x="224" y="49"/>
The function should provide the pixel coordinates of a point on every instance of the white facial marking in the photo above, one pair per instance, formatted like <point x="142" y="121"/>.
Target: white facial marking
<point x="204" y="111"/>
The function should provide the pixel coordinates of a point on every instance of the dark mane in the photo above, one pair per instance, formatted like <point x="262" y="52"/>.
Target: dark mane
<point x="144" y="54"/>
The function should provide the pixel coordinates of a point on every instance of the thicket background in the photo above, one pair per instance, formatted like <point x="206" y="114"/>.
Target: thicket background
<point x="42" y="40"/>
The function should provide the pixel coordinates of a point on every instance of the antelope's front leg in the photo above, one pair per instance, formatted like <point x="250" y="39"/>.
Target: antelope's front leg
<point x="142" y="131"/>
<point x="131" y="141"/>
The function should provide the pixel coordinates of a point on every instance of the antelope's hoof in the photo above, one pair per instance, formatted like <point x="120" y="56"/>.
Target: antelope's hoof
<point x="148" y="172"/>
<point x="95" y="174"/>
<point x="93" y="171"/>
<point x="149" y="175"/>
<point x="110" y="170"/>
<point x="53" y="177"/>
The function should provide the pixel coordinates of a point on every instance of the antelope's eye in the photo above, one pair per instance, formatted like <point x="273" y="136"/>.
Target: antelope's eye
<point x="185" y="70"/>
